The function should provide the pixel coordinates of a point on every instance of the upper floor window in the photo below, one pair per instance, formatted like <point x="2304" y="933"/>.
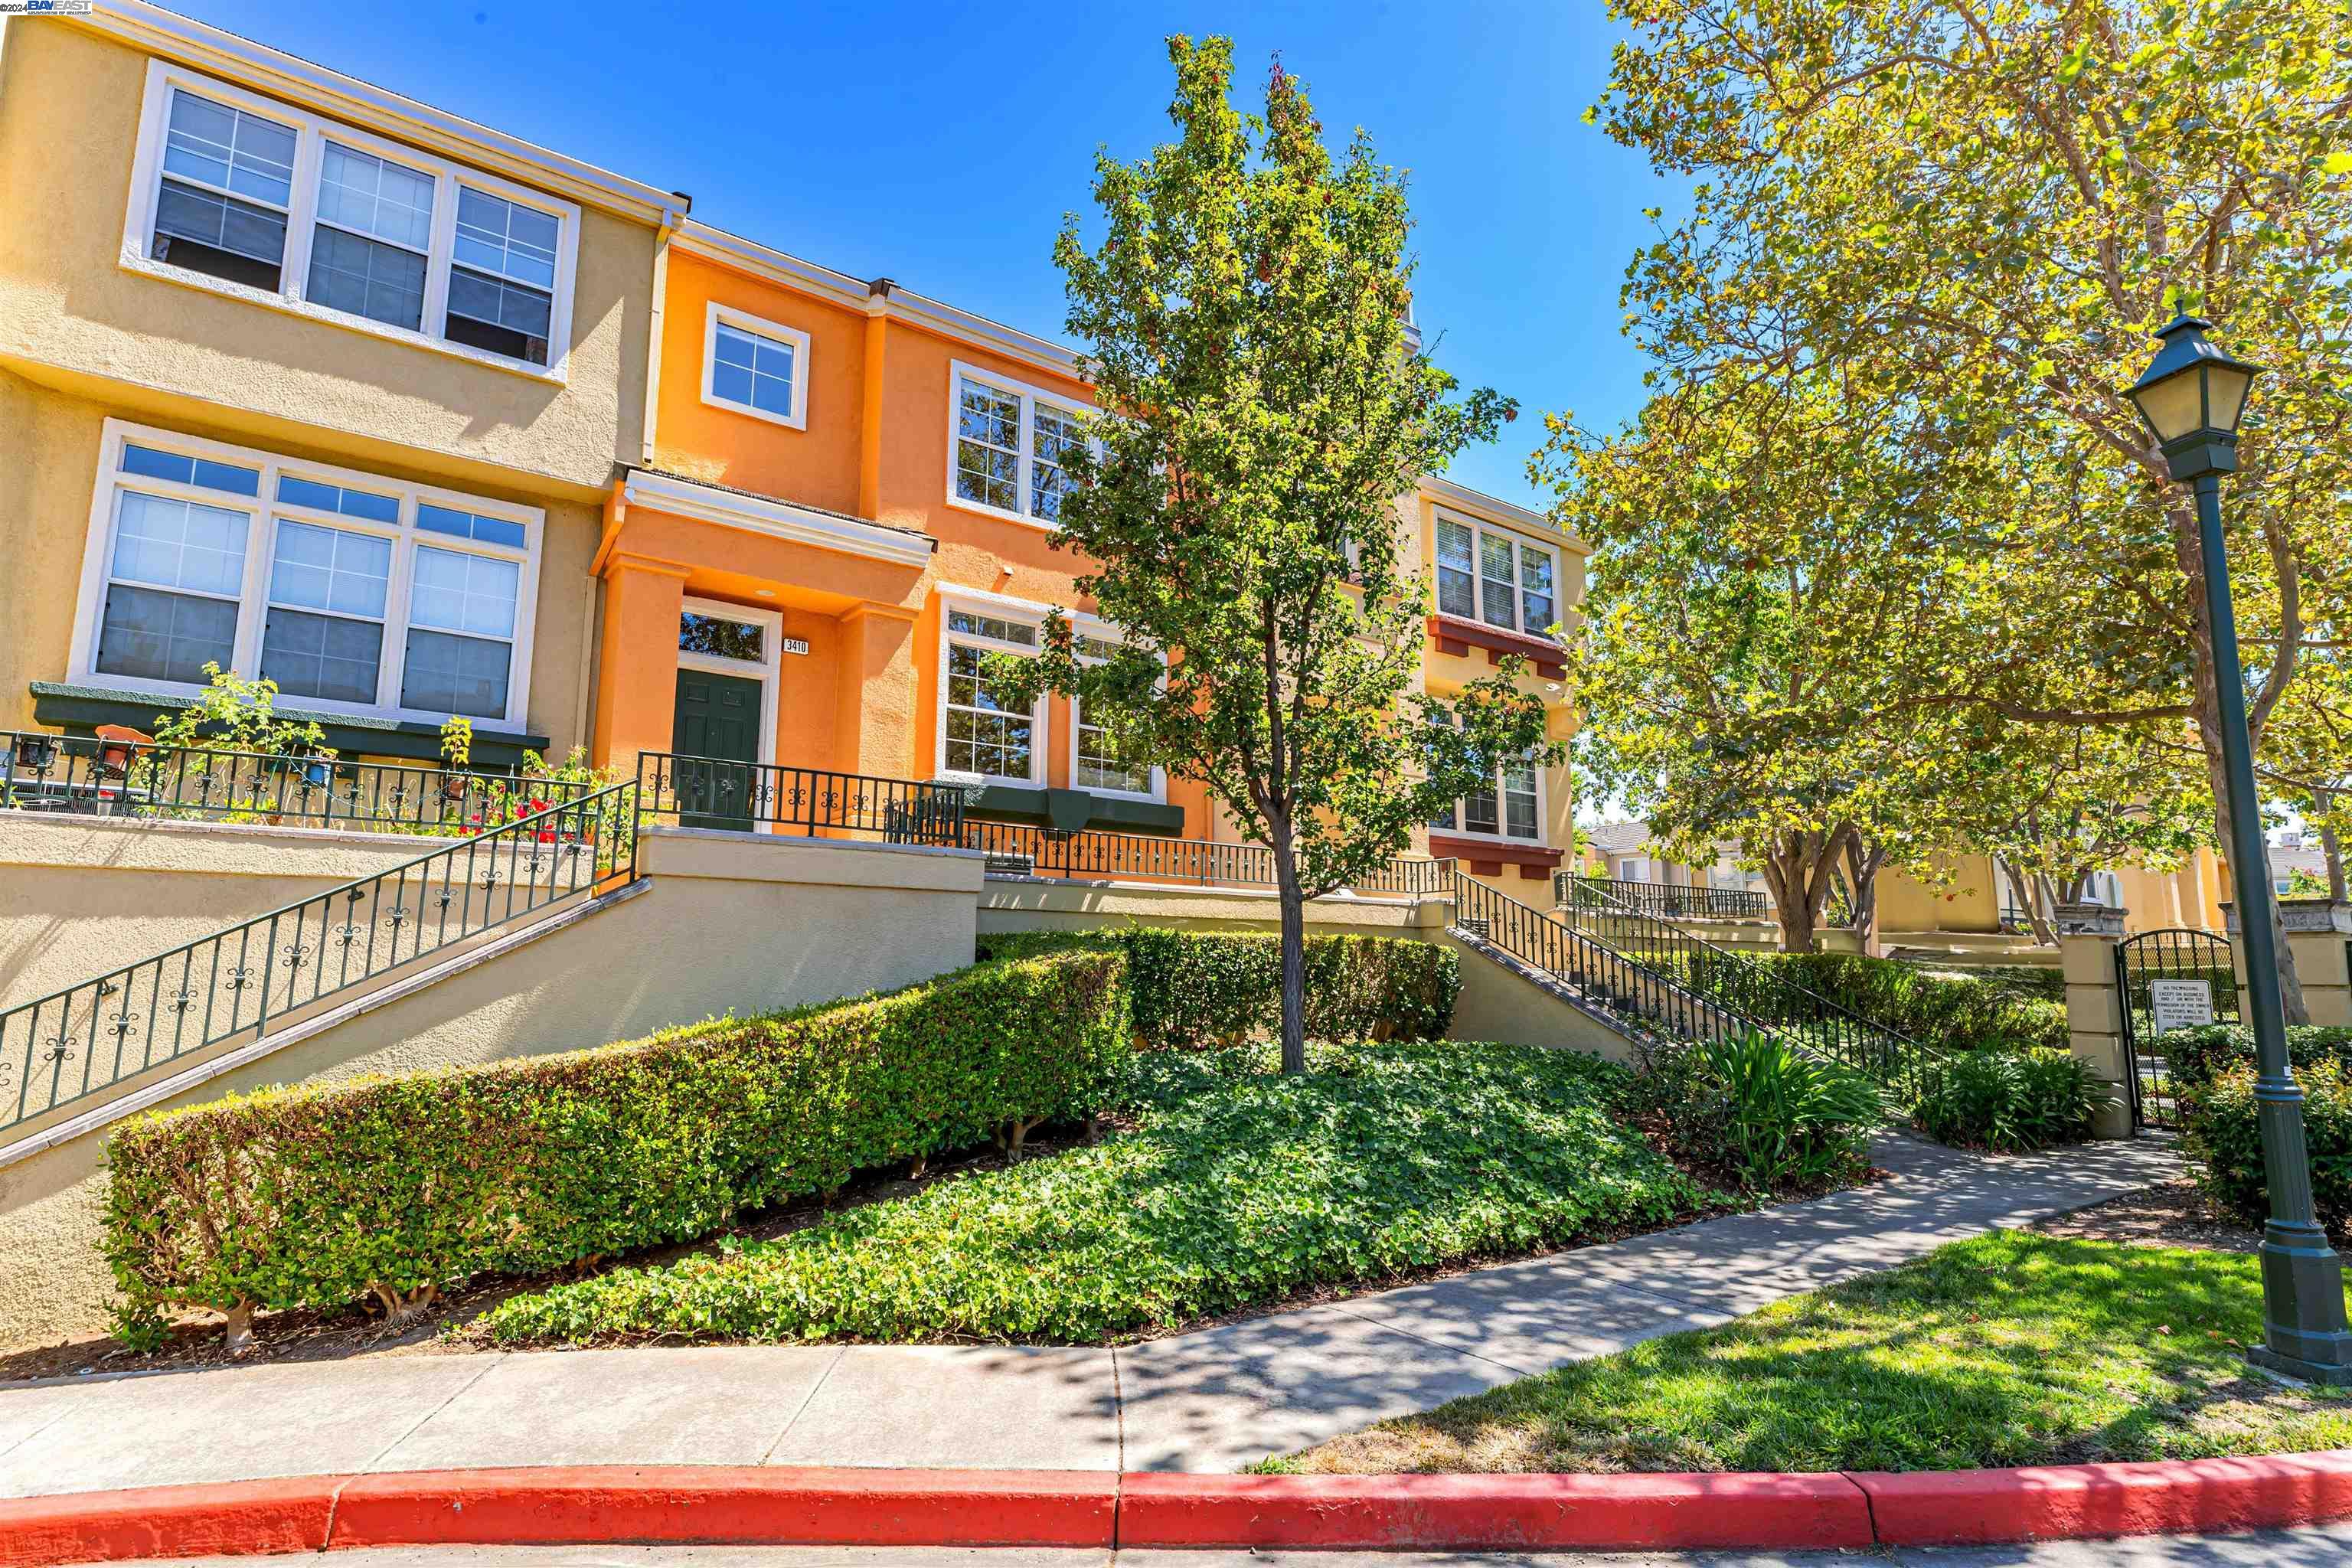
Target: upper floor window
<point x="1511" y="808"/>
<point x="322" y="219"/>
<point x="755" y="366"/>
<point x="1010" y="445"/>
<point x="1487" y="575"/>
<point x="353" y="591"/>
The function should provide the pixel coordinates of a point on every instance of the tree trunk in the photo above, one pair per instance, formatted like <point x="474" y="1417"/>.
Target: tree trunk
<point x="2044" y="932"/>
<point x="1862" y="868"/>
<point x="2331" y="852"/>
<point x="1797" y="868"/>
<point x="1294" y="955"/>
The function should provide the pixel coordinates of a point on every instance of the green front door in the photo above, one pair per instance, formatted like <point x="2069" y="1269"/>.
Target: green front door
<point x="717" y="738"/>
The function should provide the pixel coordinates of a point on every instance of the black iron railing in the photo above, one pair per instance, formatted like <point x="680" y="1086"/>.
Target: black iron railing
<point x="1094" y="855"/>
<point x="1757" y="989"/>
<point x="1658" y="898"/>
<point x="1650" y="1001"/>
<point x="77" y="1043"/>
<point x="709" y="792"/>
<point x="81" y="776"/>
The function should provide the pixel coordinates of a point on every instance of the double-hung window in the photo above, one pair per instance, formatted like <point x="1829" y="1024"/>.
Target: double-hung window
<point x="355" y="593"/>
<point x="755" y="366"/>
<point x="979" y="733"/>
<point x="1509" y="808"/>
<point x="325" y="220"/>
<point x="1095" y="761"/>
<point x="1009" y="446"/>
<point x="1487" y="575"/>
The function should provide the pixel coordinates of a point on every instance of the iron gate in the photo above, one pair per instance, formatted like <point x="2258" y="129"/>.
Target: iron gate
<point x="2160" y="977"/>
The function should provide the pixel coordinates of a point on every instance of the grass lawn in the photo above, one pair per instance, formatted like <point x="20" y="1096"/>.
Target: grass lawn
<point x="1226" y="1187"/>
<point x="2011" y="1349"/>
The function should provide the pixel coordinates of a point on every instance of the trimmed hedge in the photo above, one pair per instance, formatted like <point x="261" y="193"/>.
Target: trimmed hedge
<point x="1959" y="1013"/>
<point x="314" y="1196"/>
<point x="2222" y="1132"/>
<point x="2196" y="1057"/>
<point x="1196" y="990"/>
<point x="2011" y="1103"/>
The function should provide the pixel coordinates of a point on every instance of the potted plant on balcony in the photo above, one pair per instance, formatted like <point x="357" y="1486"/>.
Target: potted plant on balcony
<point x="222" y="743"/>
<point x="457" y="754"/>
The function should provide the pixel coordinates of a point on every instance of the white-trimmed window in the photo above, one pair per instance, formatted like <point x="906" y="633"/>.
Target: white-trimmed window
<point x="271" y="203"/>
<point x="356" y="594"/>
<point x="1009" y="445"/>
<point x="979" y="732"/>
<point x="1095" y="760"/>
<point x="1485" y="574"/>
<point x="755" y="366"/>
<point x="1511" y="809"/>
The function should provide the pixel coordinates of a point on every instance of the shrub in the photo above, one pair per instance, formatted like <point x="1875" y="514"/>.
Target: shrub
<point x="1193" y="990"/>
<point x="314" y="1197"/>
<point x="2196" y="1057"/>
<point x="1236" y="1187"/>
<point x="1775" y="1118"/>
<point x="2011" y="1103"/>
<point x="1955" y="1011"/>
<point x="2222" y="1132"/>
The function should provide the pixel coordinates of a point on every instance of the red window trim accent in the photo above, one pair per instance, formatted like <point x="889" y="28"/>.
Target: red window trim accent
<point x="1457" y="637"/>
<point x="1486" y="852"/>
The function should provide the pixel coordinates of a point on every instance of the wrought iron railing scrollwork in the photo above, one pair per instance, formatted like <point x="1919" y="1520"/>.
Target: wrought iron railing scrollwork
<point x="1754" y="988"/>
<point x="81" y="776"/>
<point x="1094" y="854"/>
<point x="75" y="1044"/>
<point x="678" y="790"/>
<point x="1658" y="898"/>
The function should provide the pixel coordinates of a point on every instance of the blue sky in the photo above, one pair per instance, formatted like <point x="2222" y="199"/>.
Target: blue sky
<point x="940" y="145"/>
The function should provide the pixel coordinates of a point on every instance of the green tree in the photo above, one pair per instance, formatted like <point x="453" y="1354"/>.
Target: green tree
<point x="1770" y="576"/>
<point x="1263" y="405"/>
<point x="1989" y="204"/>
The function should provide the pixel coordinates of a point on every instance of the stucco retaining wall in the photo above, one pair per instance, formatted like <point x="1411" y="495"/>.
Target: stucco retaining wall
<point x="728" y="922"/>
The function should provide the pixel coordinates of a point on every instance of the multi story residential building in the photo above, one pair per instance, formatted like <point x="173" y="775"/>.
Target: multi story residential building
<point x="310" y="381"/>
<point x="304" y="379"/>
<point x="845" y="498"/>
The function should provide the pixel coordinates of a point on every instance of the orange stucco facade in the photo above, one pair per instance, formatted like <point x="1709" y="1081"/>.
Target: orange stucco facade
<point x="832" y="515"/>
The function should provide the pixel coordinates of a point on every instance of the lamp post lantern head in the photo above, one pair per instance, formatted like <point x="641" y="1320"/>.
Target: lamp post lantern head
<point x="2191" y="397"/>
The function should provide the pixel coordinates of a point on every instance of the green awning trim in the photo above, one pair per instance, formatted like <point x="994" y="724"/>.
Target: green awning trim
<point x="78" y="710"/>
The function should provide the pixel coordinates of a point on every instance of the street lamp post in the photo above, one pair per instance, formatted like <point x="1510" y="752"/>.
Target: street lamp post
<point x="2192" y="396"/>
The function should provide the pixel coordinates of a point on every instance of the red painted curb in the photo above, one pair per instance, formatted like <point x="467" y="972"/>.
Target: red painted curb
<point x="850" y="1507"/>
<point x="1492" y="1511"/>
<point x="814" y="1507"/>
<point x="1960" y="1507"/>
<point x="167" y="1522"/>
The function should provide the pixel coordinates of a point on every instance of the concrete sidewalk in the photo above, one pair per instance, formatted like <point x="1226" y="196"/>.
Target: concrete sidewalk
<point x="1213" y="1400"/>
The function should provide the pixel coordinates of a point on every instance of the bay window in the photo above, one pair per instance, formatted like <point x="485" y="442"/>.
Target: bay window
<point x="307" y="215"/>
<point x="354" y="593"/>
<point x="1009" y="445"/>
<point x="1485" y="574"/>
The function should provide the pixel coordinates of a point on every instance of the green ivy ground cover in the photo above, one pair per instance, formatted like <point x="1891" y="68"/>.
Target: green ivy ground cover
<point x="1233" y="1187"/>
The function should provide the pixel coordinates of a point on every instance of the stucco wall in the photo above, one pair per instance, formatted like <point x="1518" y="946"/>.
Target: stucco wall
<point x="66" y="302"/>
<point x="49" y="448"/>
<point x="84" y="895"/>
<point x="729" y="923"/>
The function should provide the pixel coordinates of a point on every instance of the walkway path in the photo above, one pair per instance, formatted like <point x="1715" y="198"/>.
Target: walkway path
<point x="1213" y="1400"/>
